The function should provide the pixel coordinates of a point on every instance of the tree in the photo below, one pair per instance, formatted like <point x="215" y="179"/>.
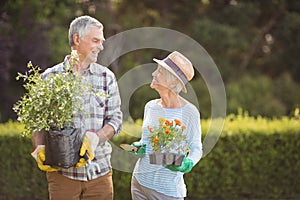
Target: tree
<point x="244" y="37"/>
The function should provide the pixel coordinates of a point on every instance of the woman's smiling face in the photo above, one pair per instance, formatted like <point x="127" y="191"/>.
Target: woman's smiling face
<point x="159" y="79"/>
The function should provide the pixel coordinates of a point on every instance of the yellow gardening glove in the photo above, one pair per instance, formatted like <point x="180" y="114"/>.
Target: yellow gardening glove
<point x="89" y="145"/>
<point x="39" y="156"/>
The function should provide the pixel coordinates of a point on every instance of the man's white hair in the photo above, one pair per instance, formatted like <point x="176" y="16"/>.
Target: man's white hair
<point x="80" y="26"/>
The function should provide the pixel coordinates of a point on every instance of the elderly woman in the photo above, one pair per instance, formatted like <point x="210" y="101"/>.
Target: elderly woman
<point x="150" y="181"/>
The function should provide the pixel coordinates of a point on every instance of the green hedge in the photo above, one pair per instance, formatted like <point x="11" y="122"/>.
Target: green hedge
<point x="254" y="158"/>
<point x="19" y="175"/>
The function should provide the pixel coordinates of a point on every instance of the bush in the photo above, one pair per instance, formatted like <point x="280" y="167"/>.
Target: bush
<point x="258" y="94"/>
<point x="20" y="177"/>
<point x="254" y="158"/>
<point x="254" y="94"/>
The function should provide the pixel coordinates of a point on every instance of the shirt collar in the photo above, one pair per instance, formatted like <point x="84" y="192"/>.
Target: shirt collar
<point x="90" y="68"/>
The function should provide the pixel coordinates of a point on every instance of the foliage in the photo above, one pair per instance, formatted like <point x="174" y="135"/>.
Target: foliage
<point x="10" y="128"/>
<point x="251" y="153"/>
<point x="262" y="96"/>
<point x="284" y="89"/>
<point x="20" y="177"/>
<point x="254" y="158"/>
<point x="169" y="136"/>
<point x="49" y="102"/>
<point x="243" y="37"/>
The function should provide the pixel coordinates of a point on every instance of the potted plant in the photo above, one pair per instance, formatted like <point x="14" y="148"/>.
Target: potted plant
<point x="168" y="142"/>
<point x="48" y="106"/>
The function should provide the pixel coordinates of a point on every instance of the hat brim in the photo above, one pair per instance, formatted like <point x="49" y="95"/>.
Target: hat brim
<point x="164" y="65"/>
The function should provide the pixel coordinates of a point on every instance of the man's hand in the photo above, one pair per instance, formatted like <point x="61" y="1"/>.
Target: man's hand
<point x="39" y="155"/>
<point x="139" y="149"/>
<point x="89" y="145"/>
<point x="186" y="166"/>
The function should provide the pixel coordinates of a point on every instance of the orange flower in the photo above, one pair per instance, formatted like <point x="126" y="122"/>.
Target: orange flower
<point x="161" y="120"/>
<point x="177" y="122"/>
<point x="167" y="122"/>
<point x="159" y="136"/>
<point x="150" y="129"/>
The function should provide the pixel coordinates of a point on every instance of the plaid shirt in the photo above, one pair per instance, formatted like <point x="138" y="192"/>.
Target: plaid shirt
<point x="98" y="113"/>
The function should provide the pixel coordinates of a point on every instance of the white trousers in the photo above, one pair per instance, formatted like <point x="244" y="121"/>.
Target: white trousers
<point x="139" y="192"/>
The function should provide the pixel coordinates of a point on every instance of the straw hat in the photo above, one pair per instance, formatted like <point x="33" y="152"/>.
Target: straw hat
<point x="179" y="66"/>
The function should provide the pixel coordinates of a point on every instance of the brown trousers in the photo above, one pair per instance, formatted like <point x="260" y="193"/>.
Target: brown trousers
<point x="63" y="188"/>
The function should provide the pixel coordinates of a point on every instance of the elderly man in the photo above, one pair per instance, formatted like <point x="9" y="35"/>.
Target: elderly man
<point x="99" y="122"/>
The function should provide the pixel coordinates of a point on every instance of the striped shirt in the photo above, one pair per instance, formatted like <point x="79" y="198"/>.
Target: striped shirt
<point x="157" y="177"/>
<point x="96" y="113"/>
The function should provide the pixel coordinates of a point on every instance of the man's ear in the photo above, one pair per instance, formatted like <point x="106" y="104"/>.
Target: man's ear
<point x="76" y="39"/>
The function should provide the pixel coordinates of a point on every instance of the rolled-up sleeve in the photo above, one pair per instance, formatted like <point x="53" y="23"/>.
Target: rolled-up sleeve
<point x="114" y="114"/>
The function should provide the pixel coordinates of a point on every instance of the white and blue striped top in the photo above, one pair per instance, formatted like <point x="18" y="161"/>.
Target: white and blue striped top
<point x="158" y="177"/>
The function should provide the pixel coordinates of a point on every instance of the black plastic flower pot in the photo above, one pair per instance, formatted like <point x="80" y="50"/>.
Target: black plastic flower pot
<point x="62" y="147"/>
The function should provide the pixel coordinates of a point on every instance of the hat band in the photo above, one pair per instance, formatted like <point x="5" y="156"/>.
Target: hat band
<point x="176" y="69"/>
